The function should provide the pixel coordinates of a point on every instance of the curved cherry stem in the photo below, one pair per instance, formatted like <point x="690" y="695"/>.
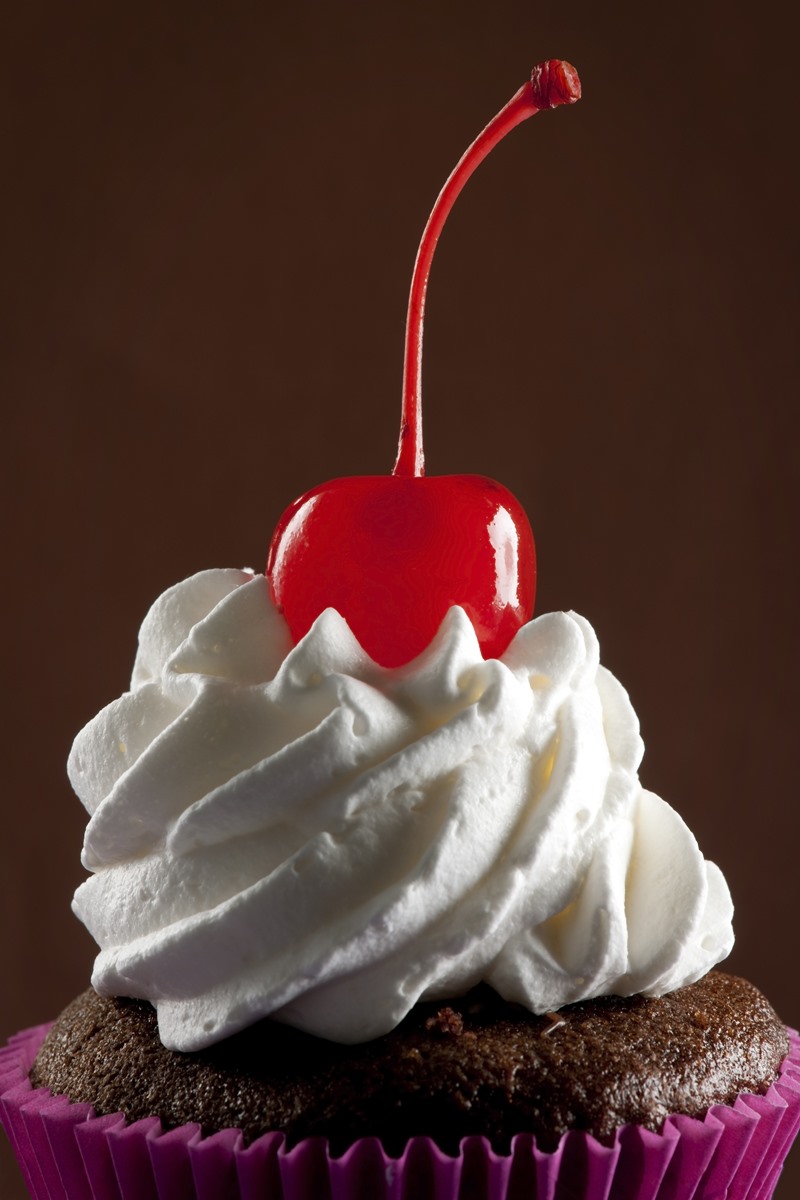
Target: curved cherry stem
<point x="551" y="83"/>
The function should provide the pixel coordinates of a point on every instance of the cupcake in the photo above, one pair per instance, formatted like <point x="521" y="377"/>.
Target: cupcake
<point x="383" y="910"/>
<point x="369" y="931"/>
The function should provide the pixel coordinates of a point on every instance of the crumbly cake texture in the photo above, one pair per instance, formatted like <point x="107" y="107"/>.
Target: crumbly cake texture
<point x="477" y="1065"/>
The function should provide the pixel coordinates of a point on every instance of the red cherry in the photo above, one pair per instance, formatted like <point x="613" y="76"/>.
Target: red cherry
<point x="392" y="553"/>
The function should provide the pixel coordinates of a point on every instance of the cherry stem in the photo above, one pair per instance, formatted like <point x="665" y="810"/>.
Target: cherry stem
<point x="551" y="83"/>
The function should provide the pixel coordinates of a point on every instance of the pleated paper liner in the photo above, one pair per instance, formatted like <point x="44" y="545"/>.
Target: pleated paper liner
<point x="65" y="1152"/>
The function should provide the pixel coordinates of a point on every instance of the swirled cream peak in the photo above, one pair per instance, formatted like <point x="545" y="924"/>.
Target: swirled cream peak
<point x="296" y="831"/>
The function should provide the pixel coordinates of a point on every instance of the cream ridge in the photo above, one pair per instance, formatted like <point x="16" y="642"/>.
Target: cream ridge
<point x="295" y="831"/>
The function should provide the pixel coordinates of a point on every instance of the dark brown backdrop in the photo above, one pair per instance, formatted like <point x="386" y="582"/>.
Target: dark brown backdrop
<point x="210" y="216"/>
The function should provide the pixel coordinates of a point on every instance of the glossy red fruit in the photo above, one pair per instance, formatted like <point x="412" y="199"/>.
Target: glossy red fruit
<point x="393" y="553"/>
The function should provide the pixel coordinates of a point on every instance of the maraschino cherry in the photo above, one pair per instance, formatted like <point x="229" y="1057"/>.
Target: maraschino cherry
<point x="392" y="553"/>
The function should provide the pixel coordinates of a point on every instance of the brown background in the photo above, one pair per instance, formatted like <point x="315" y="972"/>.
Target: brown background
<point x="210" y="216"/>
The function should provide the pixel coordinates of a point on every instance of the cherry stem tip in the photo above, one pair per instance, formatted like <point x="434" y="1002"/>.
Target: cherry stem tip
<point x="555" y="82"/>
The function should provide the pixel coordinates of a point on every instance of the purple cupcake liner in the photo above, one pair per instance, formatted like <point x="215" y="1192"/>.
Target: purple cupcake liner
<point x="65" y="1152"/>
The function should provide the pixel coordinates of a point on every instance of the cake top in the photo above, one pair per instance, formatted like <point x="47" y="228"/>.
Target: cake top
<point x="477" y="1066"/>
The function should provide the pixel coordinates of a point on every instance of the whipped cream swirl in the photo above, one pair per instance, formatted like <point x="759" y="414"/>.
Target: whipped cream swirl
<point x="299" y="832"/>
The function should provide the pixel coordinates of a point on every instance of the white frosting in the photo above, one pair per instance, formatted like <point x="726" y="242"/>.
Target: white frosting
<point x="302" y="833"/>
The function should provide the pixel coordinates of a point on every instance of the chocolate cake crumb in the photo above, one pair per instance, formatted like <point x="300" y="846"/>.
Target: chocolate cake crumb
<point x="447" y="1021"/>
<point x="490" y="1068"/>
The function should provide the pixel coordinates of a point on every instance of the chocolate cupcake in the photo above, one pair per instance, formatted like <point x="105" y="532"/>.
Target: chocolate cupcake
<point x="383" y="909"/>
<point x="390" y="933"/>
